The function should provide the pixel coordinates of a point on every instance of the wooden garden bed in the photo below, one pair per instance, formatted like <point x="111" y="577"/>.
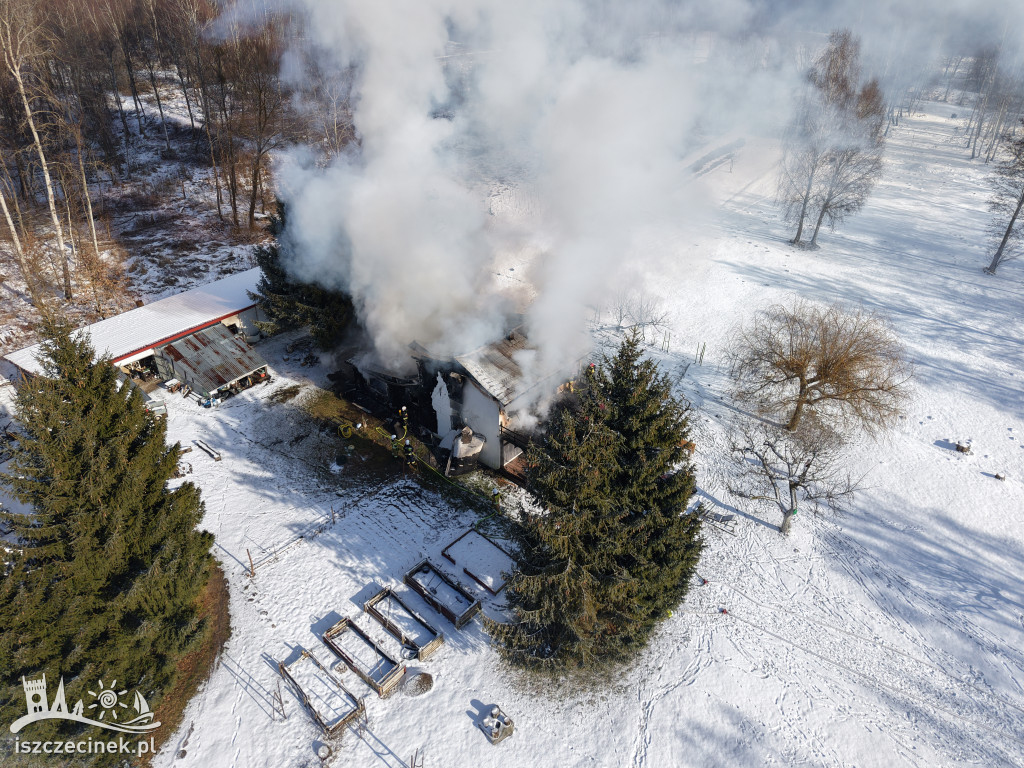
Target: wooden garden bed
<point x="480" y="559"/>
<point x="442" y="594"/>
<point x="364" y="657"/>
<point x="407" y="626"/>
<point x="330" y="703"/>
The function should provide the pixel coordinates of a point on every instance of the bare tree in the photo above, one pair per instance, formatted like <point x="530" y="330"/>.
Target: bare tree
<point x="803" y="160"/>
<point x="833" y="153"/>
<point x="784" y="468"/>
<point x="638" y="309"/>
<point x="853" y="163"/>
<point x="1006" y="203"/>
<point x="846" y="366"/>
<point x="19" y="29"/>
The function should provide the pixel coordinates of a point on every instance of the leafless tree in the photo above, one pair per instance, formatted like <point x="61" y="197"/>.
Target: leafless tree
<point x="19" y="37"/>
<point x="846" y="366"/>
<point x="783" y="468"/>
<point x="833" y="154"/>
<point x="1006" y="203"/>
<point x="638" y="309"/>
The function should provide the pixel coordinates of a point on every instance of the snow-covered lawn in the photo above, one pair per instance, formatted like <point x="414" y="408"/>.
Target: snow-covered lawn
<point x="890" y="636"/>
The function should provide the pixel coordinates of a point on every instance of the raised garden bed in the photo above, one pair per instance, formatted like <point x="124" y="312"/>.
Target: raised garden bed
<point x="364" y="657"/>
<point x="442" y="594"/>
<point x="407" y="626"/>
<point x="480" y="559"/>
<point x="330" y="703"/>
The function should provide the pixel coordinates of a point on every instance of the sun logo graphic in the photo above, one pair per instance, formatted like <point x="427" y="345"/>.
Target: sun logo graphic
<point x="107" y="700"/>
<point x="107" y="710"/>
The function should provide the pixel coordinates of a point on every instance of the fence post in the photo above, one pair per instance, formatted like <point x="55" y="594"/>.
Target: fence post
<point x="252" y="568"/>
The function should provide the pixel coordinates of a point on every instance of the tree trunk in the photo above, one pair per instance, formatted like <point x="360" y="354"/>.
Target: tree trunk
<point x="254" y="191"/>
<point x="801" y="401"/>
<point x="817" y="224"/>
<point x="19" y="253"/>
<point x="803" y="207"/>
<point x="207" y="119"/>
<point x="997" y="259"/>
<point x="159" y="104"/>
<point x="88" y="198"/>
<point x="188" y="103"/>
<point x="120" y="105"/>
<point x="232" y="185"/>
<point x="787" y="521"/>
<point x="139" y="111"/>
<point x="949" y="83"/>
<point x="15" y="69"/>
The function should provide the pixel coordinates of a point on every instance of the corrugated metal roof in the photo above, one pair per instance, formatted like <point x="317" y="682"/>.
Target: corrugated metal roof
<point x="211" y="358"/>
<point x="147" y="326"/>
<point x="494" y="366"/>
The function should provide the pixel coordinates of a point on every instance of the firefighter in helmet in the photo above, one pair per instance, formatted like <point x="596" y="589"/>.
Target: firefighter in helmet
<point x="410" y="457"/>
<point x="396" y="447"/>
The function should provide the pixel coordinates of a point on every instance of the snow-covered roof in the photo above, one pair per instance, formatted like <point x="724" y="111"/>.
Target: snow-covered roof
<point x="145" y="327"/>
<point x="494" y="366"/>
<point x="497" y="368"/>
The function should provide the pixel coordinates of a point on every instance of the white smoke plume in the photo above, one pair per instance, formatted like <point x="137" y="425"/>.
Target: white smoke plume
<point x="585" y="109"/>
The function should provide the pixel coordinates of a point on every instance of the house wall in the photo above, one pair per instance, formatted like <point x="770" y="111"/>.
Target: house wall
<point x="480" y="411"/>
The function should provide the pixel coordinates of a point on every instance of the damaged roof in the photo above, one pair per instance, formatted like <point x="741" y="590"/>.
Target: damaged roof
<point x="495" y="368"/>
<point x="212" y="358"/>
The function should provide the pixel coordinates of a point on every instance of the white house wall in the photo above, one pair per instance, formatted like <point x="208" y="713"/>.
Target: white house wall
<point x="480" y="411"/>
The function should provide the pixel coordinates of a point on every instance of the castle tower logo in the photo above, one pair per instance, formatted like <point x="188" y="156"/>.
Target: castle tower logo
<point x="107" y="709"/>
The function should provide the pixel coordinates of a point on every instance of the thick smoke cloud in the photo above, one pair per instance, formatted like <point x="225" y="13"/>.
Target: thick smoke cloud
<point x="582" y="113"/>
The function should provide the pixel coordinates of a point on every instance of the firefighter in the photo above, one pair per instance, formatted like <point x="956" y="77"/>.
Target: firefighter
<point x="403" y="414"/>
<point x="396" y="447"/>
<point x="410" y="457"/>
<point x="496" y="498"/>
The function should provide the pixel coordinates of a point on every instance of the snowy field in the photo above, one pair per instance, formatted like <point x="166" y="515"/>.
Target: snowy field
<point x="890" y="636"/>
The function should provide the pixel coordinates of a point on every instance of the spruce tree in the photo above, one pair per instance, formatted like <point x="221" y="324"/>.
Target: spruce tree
<point x="611" y="553"/>
<point x="571" y="597"/>
<point x="654" y="480"/>
<point x="108" y="565"/>
<point x="289" y="303"/>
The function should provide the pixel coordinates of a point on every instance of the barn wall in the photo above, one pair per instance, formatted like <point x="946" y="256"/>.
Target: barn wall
<point x="480" y="412"/>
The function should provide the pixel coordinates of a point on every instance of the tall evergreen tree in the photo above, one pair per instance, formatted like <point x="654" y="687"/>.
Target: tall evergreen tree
<point x="289" y="303"/>
<point x="571" y="596"/>
<point x="654" y="479"/>
<point x="109" y="563"/>
<point x="611" y="553"/>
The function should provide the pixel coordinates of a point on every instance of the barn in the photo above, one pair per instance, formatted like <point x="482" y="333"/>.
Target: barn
<point x="199" y="337"/>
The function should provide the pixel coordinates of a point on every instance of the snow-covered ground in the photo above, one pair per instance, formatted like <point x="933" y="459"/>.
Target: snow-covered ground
<point x="892" y="635"/>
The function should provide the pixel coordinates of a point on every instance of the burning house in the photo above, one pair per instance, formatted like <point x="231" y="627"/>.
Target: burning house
<point x="471" y="406"/>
